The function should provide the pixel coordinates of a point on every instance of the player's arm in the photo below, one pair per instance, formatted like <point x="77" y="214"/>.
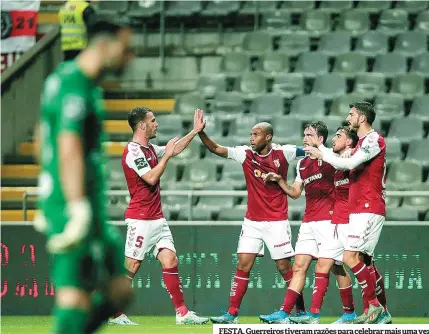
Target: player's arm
<point x="293" y="191"/>
<point x="292" y="152"/>
<point x="212" y="146"/>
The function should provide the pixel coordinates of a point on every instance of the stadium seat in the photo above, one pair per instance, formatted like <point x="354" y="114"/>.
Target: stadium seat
<point x="288" y="84"/>
<point x="235" y="213"/>
<point x="390" y="64"/>
<point x="196" y="214"/>
<point x="251" y="85"/>
<point x="372" y="43"/>
<point x="335" y="7"/>
<point x="305" y="107"/>
<point x="268" y="104"/>
<point x="242" y="127"/>
<point x="405" y="175"/>
<point x="232" y="172"/>
<point x="257" y="43"/>
<point x="410" y="85"/>
<point x="220" y="8"/>
<point x="116" y="174"/>
<point x="296" y="6"/>
<point x="341" y="105"/>
<point x="335" y="43"/>
<point x="209" y="84"/>
<point x="418" y="152"/>
<point x="406" y="129"/>
<point x="296" y="208"/>
<point x="213" y="126"/>
<point x="189" y="155"/>
<point x="116" y="211"/>
<point x="293" y="44"/>
<point x="217" y="203"/>
<point x="143" y="9"/>
<point x="332" y="123"/>
<point x="112" y="7"/>
<point x="175" y="203"/>
<point x="389" y="106"/>
<point x="235" y="63"/>
<point x="410" y="43"/>
<point x="272" y="63"/>
<point x="420" y="203"/>
<point x="373" y="6"/>
<point x="286" y="129"/>
<point x="369" y="84"/>
<point x="393" y="149"/>
<point x="329" y="86"/>
<point x="199" y="43"/>
<point x="419" y="108"/>
<point x="186" y="104"/>
<point x="393" y="22"/>
<point x="402" y="213"/>
<point x="420" y="64"/>
<point x="350" y="64"/>
<point x="412" y="6"/>
<point x="354" y="21"/>
<point x="200" y="174"/>
<point x="422" y="22"/>
<point x="170" y="126"/>
<point x="311" y="64"/>
<point x="170" y="173"/>
<point x="183" y="8"/>
<point x="227" y="105"/>
<point x="392" y="201"/>
<point x="276" y="22"/>
<point x="210" y="64"/>
<point x="315" y="22"/>
<point x="250" y="7"/>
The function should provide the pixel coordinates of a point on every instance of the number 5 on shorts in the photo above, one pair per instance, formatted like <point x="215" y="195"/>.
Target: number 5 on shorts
<point x="139" y="242"/>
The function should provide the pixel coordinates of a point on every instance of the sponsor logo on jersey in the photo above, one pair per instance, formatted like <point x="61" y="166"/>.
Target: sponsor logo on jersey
<point x="341" y="182"/>
<point x="312" y="178"/>
<point x="259" y="174"/>
<point x="141" y="163"/>
<point x="277" y="163"/>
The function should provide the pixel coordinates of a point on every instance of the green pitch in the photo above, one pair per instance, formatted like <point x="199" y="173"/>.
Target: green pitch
<point x="152" y="325"/>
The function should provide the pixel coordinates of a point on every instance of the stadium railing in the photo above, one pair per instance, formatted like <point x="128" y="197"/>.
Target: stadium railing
<point x="193" y="193"/>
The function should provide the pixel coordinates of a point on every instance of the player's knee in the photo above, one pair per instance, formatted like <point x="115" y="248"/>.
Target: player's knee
<point x="323" y="267"/>
<point x="244" y="266"/>
<point x="132" y="265"/>
<point x="284" y="266"/>
<point x="170" y="262"/>
<point x="299" y="268"/>
<point x="351" y="258"/>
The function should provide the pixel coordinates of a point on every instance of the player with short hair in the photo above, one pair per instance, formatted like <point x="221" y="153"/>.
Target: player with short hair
<point x="343" y="141"/>
<point x="266" y="220"/>
<point x="143" y="164"/>
<point x="72" y="186"/>
<point x="367" y="167"/>
<point x="316" y="234"/>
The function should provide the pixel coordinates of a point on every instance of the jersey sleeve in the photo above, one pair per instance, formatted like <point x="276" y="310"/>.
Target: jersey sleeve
<point x="298" y="173"/>
<point x="136" y="160"/>
<point x="159" y="150"/>
<point x="292" y="152"/>
<point x="73" y="109"/>
<point x="237" y="153"/>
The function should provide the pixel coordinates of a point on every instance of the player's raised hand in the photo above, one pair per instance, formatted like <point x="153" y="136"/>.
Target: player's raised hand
<point x="199" y="121"/>
<point x="171" y="145"/>
<point x="76" y="229"/>
<point x="272" y="177"/>
<point x="313" y="151"/>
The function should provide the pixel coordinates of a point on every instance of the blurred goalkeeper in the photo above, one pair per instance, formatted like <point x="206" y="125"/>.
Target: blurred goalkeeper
<point x="88" y="252"/>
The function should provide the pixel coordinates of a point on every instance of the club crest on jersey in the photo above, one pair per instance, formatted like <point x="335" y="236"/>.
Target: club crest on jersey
<point x="277" y="163"/>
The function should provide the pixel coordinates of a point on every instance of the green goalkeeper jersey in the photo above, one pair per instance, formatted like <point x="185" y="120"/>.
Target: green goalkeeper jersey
<point x="71" y="102"/>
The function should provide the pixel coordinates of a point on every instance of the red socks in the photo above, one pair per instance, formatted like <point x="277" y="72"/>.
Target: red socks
<point x="300" y="307"/>
<point x="174" y="288"/>
<point x="362" y="273"/>
<point x="347" y="299"/>
<point x="238" y="289"/>
<point x="320" y="287"/>
<point x="290" y="300"/>
<point x="379" y="288"/>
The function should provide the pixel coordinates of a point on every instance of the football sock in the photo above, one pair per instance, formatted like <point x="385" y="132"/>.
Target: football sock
<point x="320" y="287"/>
<point x="290" y="300"/>
<point x="347" y="299"/>
<point x="70" y="321"/>
<point x="174" y="288"/>
<point x="366" y="282"/>
<point x="238" y="289"/>
<point x="299" y="304"/>
<point x="379" y="289"/>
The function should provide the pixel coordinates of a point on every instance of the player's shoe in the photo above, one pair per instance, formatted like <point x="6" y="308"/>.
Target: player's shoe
<point x="373" y="313"/>
<point x="225" y="318"/>
<point x="190" y="318"/>
<point x="121" y="320"/>
<point x="384" y="318"/>
<point x="308" y="318"/>
<point x="346" y="318"/>
<point x="275" y="318"/>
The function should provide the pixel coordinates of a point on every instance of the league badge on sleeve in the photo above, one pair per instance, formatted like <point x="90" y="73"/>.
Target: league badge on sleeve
<point x="141" y="163"/>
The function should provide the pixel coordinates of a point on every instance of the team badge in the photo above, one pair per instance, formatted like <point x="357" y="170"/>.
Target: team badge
<point x="277" y="163"/>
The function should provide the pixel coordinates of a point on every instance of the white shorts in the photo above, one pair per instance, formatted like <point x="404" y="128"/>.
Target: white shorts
<point x="322" y="239"/>
<point x="143" y="235"/>
<point x="276" y="235"/>
<point x="364" y="232"/>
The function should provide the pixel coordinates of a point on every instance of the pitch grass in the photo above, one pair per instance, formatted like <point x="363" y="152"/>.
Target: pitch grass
<point x="152" y="325"/>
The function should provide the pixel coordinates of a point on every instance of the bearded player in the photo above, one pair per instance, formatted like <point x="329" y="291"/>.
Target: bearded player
<point x="316" y="237"/>
<point x="367" y="167"/>
<point x="266" y="221"/>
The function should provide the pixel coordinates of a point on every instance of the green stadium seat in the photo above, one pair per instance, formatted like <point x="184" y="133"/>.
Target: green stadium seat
<point x="350" y="64"/>
<point x="354" y="21"/>
<point x="250" y="7"/>
<point x="369" y="84"/>
<point x="199" y="175"/>
<point x="209" y="84"/>
<point x="420" y="64"/>
<point x="389" y="106"/>
<point x="419" y="108"/>
<point x="311" y="64"/>
<point x="402" y="213"/>
<point x="293" y="44"/>
<point x="340" y="105"/>
<point x="306" y="107"/>
<point x="235" y="63"/>
<point x="183" y="8"/>
<point x="410" y="85"/>
<point x="372" y="43"/>
<point x="390" y="64"/>
<point x="393" y="149"/>
<point x="329" y="86"/>
<point x="271" y="104"/>
<point x="272" y="63"/>
<point x="335" y="43"/>
<point x="210" y="64"/>
<point x="286" y="128"/>
<point x="374" y="6"/>
<point x="232" y="173"/>
<point x="175" y="203"/>
<point x="405" y="175"/>
<point x="406" y="129"/>
<point x="220" y="8"/>
<point x="257" y="43"/>
<point x="296" y="6"/>
<point x="251" y="85"/>
<point x="418" y="152"/>
<point x="276" y="23"/>
<point x="186" y="104"/>
<point x="289" y="85"/>
<point x="422" y="21"/>
<point x="227" y="105"/>
<point x="216" y="204"/>
<point x="315" y="22"/>
<point x="412" y="6"/>
<point x="335" y="7"/>
<point x="196" y="214"/>
<point x="235" y="213"/>
<point x="392" y="21"/>
<point x="420" y="203"/>
<point x="411" y="43"/>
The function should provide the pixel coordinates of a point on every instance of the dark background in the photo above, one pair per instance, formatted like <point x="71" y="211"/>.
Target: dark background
<point x="207" y="262"/>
